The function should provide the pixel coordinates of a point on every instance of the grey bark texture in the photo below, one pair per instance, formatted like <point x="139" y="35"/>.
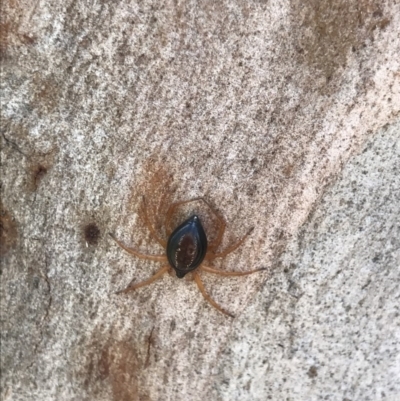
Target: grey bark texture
<point x="283" y="115"/>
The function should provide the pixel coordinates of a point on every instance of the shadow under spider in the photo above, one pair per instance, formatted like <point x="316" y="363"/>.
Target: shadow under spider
<point x="186" y="249"/>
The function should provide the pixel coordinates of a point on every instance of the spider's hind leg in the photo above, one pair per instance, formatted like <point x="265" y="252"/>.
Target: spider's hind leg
<point x="207" y="296"/>
<point x="211" y="255"/>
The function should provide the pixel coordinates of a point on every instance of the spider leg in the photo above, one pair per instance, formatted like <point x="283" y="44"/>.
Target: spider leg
<point x="134" y="252"/>
<point x="171" y="210"/>
<point x="162" y="242"/>
<point x="212" y="256"/>
<point x="225" y="273"/>
<point x="146" y="282"/>
<point x="207" y="296"/>
<point x="213" y="245"/>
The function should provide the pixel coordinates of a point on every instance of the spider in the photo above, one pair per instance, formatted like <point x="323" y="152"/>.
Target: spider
<point x="186" y="250"/>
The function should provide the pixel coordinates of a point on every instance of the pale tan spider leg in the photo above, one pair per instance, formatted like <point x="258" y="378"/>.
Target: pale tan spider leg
<point x="212" y="256"/>
<point x="207" y="297"/>
<point x="162" y="242"/>
<point x="134" y="252"/>
<point x="213" y="245"/>
<point x="225" y="273"/>
<point x="146" y="282"/>
<point x="171" y="210"/>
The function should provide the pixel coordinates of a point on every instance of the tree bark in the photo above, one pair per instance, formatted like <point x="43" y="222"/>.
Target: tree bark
<point x="255" y="106"/>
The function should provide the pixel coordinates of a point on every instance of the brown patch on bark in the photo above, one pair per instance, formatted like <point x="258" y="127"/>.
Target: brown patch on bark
<point x="312" y="372"/>
<point x="10" y="34"/>
<point x="158" y="188"/>
<point x="38" y="172"/>
<point x="39" y="166"/>
<point x="113" y="367"/>
<point x="4" y="33"/>
<point x="91" y="233"/>
<point x="46" y="94"/>
<point x="8" y="231"/>
<point x="328" y="31"/>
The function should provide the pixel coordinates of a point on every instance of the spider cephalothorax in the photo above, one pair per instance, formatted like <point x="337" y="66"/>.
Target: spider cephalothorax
<point x="186" y="250"/>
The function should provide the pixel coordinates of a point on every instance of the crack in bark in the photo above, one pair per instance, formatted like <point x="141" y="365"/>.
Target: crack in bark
<point x="45" y="316"/>
<point x="13" y="145"/>
<point x="150" y="342"/>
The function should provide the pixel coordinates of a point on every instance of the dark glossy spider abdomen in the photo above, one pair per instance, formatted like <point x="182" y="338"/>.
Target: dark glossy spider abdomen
<point x="187" y="246"/>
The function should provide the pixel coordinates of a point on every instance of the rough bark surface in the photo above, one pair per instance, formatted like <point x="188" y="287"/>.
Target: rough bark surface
<point x="327" y="324"/>
<point x="256" y="106"/>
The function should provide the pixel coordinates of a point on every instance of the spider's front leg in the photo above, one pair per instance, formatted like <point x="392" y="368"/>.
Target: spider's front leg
<point x="212" y="255"/>
<point x="153" y="232"/>
<point x="207" y="296"/>
<point x="134" y="252"/>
